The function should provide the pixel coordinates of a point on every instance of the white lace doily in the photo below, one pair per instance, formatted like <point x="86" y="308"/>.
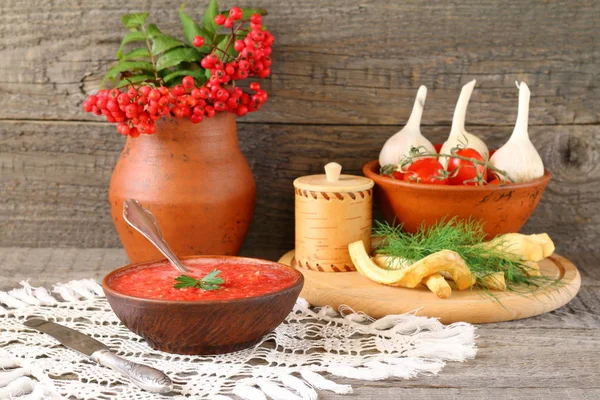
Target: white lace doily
<point x="288" y="363"/>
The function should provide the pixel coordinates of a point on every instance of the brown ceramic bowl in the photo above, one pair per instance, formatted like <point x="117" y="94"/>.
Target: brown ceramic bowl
<point x="203" y="326"/>
<point x="502" y="209"/>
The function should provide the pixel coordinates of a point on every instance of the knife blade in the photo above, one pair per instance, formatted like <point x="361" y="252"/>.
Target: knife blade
<point x="145" y="377"/>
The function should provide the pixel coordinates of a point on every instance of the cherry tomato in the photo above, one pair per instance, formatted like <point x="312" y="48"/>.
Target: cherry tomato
<point x="438" y="147"/>
<point x="426" y="170"/>
<point x="398" y="175"/>
<point x="463" y="170"/>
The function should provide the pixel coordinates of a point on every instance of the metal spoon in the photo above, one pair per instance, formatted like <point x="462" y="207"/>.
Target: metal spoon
<point x="144" y="222"/>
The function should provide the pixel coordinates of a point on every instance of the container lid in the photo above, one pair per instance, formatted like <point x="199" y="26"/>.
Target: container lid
<point x="333" y="181"/>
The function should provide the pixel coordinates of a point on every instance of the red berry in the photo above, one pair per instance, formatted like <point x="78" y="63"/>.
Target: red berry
<point x="113" y="93"/>
<point x="249" y="42"/>
<point x="112" y="105"/>
<point x="204" y="93"/>
<point x="244" y="65"/>
<point x="178" y="90"/>
<point x="177" y="112"/>
<point x="131" y="92"/>
<point x="264" y="73"/>
<point x="222" y="95"/>
<point x="92" y="100"/>
<point x="255" y="86"/>
<point x="239" y="45"/>
<point x="145" y="90"/>
<point x="198" y="41"/>
<point x="209" y="111"/>
<point x="123" y="129"/>
<point x="198" y="110"/>
<point x="150" y="129"/>
<point x="220" y="19"/>
<point x="123" y="98"/>
<point x="188" y="82"/>
<point x="196" y="119"/>
<point x="163" y="101"/>
<point x="220" y="106"/>
<point x="241" y="110"/>
<point x="229" y="70"/>
<point x="259" y="36"/>
<point x="196" y="93"/>
<point x="245" y="99"/>
<point x="235" y="13"/>
<point x="228" y="22"/>
<point x="134" y="132"/>
<point x="154" y="95"/>
<point x="186" y="111"/>
<point x="233" y="102"/>
<point x="256" y="19"/>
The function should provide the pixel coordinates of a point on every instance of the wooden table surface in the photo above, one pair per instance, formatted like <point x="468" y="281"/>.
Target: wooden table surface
<point x="552" y="356"/>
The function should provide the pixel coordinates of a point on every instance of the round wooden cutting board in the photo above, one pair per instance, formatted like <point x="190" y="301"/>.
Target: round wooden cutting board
<point x="474" y="306"/>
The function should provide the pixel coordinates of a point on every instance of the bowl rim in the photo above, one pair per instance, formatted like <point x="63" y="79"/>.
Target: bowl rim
<point x="369" y="169"/>
<point x="106" y="287"/>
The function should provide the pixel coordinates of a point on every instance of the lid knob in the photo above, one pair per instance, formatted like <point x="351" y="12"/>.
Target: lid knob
<point x="333" y="171"/>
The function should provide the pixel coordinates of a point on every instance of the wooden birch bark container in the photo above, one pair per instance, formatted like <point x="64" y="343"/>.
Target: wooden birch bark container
<point x="332" y="211"/>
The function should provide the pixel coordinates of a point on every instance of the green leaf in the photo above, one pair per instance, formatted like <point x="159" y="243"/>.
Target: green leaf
<point x="197" y="74"/>
<point x="191" y="29"/>
<point x="133" y="36"/>
<point x="185" y="281"/>
<point x="153" y="31"/>
<point x="248" y="12"/>
<point x="134" y="21"/>
<point x="208" y="19"/>
<point x="210" y="282"/>
<point x="123" y="66"/>
<point x="136" y="54"/>
<point x="176" y="56"/>
<point x="134" y="79"/>
<point x="163" y="43"/>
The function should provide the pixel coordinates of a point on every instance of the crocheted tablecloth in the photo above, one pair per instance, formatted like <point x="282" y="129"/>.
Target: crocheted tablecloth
<point x="301" y="356"/>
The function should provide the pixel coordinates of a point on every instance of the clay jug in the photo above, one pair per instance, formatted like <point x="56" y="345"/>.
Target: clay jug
<point x="194" y="179"/>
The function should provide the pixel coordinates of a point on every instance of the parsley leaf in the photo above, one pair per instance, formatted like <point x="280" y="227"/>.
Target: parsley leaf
<point x="210" y="282"/>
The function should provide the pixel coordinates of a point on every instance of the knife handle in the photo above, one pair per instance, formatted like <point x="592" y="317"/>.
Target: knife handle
<point x="145" y="377"/>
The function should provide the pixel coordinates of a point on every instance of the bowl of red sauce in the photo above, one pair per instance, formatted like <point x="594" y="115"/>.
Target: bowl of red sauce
<point x="254" y="298"/>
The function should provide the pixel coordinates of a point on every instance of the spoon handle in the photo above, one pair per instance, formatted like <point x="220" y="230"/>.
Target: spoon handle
<point x="144" y="222"/>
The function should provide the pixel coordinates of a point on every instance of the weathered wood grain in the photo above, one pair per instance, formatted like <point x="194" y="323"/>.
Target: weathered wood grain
<point x="551" y="356"/>
<point x="347" y="62"/>
<point x="54" y="179"/>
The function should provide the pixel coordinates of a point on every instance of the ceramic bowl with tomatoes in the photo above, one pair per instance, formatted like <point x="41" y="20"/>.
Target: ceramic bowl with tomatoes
<point x="423" y="195"/>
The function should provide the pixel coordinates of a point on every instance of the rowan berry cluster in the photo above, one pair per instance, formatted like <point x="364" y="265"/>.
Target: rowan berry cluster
<point x="135" y="109"/>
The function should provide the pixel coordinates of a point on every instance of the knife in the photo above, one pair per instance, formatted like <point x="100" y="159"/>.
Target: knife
<point x="145" y="377"/>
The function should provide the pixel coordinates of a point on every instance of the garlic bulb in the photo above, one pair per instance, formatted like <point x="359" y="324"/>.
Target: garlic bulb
<point x="458" y="135"/>
<point x="399" y="145"/>
<point x="518" y="158"/>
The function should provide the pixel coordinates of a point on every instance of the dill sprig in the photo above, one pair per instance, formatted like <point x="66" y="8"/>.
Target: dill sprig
<point x="465" y="238"/>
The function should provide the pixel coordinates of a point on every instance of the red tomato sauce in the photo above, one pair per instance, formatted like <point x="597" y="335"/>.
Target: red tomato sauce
<point x="241" y="280"/>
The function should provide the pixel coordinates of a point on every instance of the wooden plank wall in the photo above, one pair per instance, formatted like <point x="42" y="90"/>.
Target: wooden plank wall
<point x="344" y="77"/>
